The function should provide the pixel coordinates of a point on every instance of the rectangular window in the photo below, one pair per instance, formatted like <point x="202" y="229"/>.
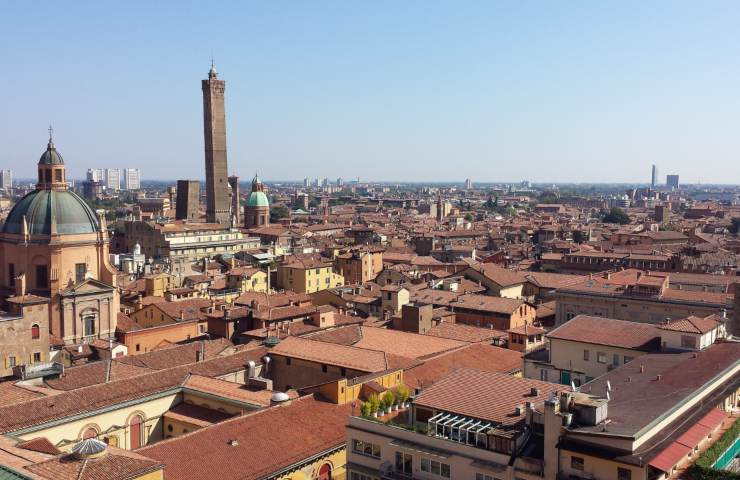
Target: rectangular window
<point x="11" y="274"/>
<point x="585" y="355"/>
<point x="688" y="341"/>
<point x="628" y="359"/>
<point x="365" y="448"/>
<point x="404" y="463"/>
<point x="601" y="357"/>
<point x="615" y="360"/>
<point x="624" y="473"/>
<point x="287" y="361"/>
<point x="80" y="271"/>
<point x="36" y="357"/>
<point x="576" y="463"/>
<point x="324" y="368"/>
<point x="42" y="277"/>
<point x="11" y="361"/>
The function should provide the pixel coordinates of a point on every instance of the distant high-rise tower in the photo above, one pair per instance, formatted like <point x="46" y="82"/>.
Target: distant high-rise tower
<point x="672" y="181"/>
<point x="235" y="207"/>
<point x="218" y="203"/>
<point x="654" y="181"/>
<point x="131" y="178"/>
<point x="468" y="184"/>
<point x="6" y="179"/>
<point x="187" y="201"/>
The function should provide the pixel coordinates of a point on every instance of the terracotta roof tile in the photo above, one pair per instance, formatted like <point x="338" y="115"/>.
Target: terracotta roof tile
<point x="483" y="357"/>
<point x="256" y="445"/>
<point x="332" y="354"/>
<point x="487" y="396"/>
<point x="609" y="331"/>
<point x="693" y="324"/>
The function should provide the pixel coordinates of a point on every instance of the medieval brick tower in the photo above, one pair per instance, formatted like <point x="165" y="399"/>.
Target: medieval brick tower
<point x="218" y="201"/>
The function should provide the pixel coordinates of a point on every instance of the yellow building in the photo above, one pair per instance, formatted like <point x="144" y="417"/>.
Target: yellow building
<point x="246" y="279"/>
<point x="307" y="275"/>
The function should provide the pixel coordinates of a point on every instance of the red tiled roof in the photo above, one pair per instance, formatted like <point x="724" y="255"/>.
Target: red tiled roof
<point x="116" y="465"/>
<point x="465" y="333"/>
<point x="482" y="357"/>
<point x="693" y="324"/>
<point x="39" y="444"/>
<point x="487" y="396"/>
<point x="608" y="331"/>
<point x="256" y="445"/>
<point x="405" y="344"/>
<point x="332" y="354"/>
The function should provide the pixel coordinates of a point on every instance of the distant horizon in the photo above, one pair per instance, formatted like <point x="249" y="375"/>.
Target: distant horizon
<point x="246" y="180"/>
<point x="556" y="92"/>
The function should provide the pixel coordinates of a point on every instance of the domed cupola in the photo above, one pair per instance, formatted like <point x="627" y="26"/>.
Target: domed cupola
<point x="51" y="209"/>
<point x="51" y="167"/>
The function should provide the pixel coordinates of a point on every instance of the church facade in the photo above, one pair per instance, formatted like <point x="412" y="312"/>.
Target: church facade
<point x="54" y="250"/>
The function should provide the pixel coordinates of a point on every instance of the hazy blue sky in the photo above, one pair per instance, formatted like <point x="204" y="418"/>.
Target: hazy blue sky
<point x="402" y="90"/>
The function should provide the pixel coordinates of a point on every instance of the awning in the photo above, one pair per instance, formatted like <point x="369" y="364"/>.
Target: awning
<point x="690" y="439"/>
<point x="669" y="458"/>
<point x="713" y="419"/>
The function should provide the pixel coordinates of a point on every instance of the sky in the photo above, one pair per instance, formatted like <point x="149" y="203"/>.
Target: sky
<point x="405" y="90"/>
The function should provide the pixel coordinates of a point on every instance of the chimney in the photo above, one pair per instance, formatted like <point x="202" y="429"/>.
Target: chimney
<point x="200" y="353"/>
<point x="20" y="285"/>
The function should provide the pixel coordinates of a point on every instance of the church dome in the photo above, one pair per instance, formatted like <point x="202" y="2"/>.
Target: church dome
<point x="51" y="156"/>
<point x="258" y="199"/>
<point x="44" y="207"/>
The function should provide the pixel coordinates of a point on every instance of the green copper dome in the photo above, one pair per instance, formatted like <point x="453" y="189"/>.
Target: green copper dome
<point x="258" y="199"/>
<point x="70" y="213"/>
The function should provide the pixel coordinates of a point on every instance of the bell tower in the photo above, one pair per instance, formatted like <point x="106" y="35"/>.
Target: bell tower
<point x="218" y="203"/>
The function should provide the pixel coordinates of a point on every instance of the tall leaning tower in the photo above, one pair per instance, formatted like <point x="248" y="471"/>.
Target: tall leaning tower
<point x="218" y="203"/>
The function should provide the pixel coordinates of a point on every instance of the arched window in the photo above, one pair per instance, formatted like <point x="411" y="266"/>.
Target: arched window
<point x="35" y="332"/>
<point x="135" y="432"/>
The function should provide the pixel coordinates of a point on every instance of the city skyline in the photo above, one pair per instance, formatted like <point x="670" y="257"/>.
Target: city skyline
<point x="491" y="92"/>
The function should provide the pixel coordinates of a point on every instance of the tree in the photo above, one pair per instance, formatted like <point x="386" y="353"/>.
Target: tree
<point x="365" y="409"/>
<point x="468" y="217"/>
<point x="735" y="227"/>
<point x="578" y="236"/>
<point x="278" y="212"/>
<point x="616" y="215"/>
<point x="374" y="403"/>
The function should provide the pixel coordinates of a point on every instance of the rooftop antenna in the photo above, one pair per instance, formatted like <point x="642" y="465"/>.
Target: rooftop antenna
<point x="608" y="386"/>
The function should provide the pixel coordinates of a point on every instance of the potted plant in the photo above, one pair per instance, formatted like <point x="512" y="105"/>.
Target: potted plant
<point x="365" y="409"/>
<point x="402" y="395"/>
<point x="374" y="405"/>
<point x="390" y="400"/>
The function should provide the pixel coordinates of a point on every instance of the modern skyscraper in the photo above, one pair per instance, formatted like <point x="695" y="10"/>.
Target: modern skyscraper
<point x="6" y="179"/>
<point x="654" y="181"/>
<point x="235" y="207"/>
<point x="672" y="181"/>
<point x="468" y="184"/>
<point x="188" y="199"/>
<point x="131" y="178"/>
<point x="113" y="178"/>
<point x="95" y="174"/>
<point x="218" y="203"/>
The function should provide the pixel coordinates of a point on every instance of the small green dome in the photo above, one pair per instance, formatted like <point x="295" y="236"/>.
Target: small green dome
<point x="258" y="199"/>
<point x="70" y="213"/>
